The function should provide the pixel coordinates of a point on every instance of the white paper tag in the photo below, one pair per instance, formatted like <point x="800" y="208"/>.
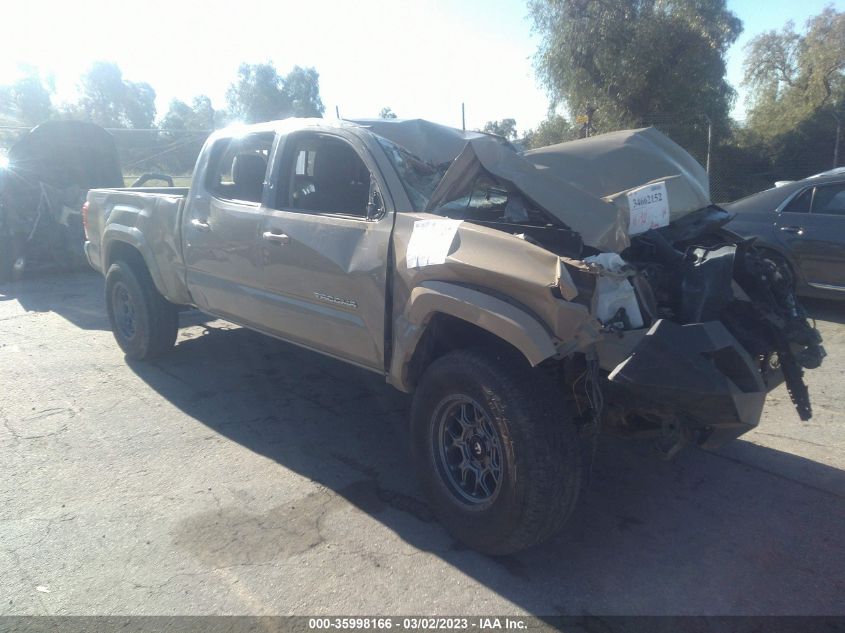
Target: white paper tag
<point x="430" y="242"/>
<point x="649" y="208"/>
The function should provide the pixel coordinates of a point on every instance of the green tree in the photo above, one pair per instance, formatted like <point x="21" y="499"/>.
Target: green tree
<point x="554" y="129"/>
<point x="505" y="128"/>
<point x="796" y="87"/>
<point x="184" y="129"/>
<point x="27" y="100"/>
<point x="793" y="77"/>
<point x="301" y="86"/>
<point x="634" y="59"/>
<point x="102" y="91"/>
<point x="139" y="105"/>
<point x="111" y="101"/>
<point x="387" y="113"/>
<point x="260" y="93"/>
<point x="257" y="94"/>
<point x="181" y="117"/>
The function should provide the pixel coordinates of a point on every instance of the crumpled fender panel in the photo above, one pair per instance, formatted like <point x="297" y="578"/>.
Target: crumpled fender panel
<point x="700" y="374"/>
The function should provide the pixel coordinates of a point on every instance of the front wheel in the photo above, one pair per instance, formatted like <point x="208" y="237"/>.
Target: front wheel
<point x="497" y="452"/>
<point x="144" y="323"/>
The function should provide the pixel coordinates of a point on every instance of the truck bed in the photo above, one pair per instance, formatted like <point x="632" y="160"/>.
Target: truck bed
<point x="148" y="219"/>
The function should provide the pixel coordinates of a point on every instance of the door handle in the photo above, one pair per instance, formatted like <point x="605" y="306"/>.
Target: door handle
<point x="199" y="225"/>
<point x="792" y="229"/>
<point x="276" y="238"/>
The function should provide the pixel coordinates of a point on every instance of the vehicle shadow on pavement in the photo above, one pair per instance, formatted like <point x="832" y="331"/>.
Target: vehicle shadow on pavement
<point x="709" y="533"/>
<point x="67" y="294"/>
<point x="70" y="296"/>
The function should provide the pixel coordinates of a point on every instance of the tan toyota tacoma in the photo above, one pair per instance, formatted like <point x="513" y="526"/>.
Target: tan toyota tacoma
<point x="529" y="300"/>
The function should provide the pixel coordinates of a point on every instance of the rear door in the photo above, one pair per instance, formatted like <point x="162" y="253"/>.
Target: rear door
<point x="812" y="226"/>
<point x="325" y="261"/>
<point x="221" y="228"/>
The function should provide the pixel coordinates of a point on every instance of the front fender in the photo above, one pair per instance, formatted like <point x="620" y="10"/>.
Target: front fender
<point x="502" y="319"/>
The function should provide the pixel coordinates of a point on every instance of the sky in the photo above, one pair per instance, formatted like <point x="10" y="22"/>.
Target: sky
<point x="422" y="58"/>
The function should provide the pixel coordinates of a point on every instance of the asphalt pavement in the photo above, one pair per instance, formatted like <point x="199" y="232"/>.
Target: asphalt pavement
<point x="243" y="475"/>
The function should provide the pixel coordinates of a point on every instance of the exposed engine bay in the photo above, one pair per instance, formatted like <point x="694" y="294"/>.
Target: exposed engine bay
<point x="724" y="328"/>
<point x="699" y="324"/>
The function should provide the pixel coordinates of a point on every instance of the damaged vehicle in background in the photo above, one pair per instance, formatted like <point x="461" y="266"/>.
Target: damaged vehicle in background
<point x="529" y="300"/>
<point x="43" y="183"/>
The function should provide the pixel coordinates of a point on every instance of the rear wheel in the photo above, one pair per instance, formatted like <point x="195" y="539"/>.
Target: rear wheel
<point x="143" y="322"/>
<point x="497" y="453"/>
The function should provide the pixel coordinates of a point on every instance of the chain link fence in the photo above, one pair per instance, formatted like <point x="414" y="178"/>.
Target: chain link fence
<point x="163" y="152"/>
<point x="170" y="152"/>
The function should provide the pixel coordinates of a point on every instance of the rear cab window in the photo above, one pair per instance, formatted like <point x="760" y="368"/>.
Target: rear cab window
<point x="238" y="167"/>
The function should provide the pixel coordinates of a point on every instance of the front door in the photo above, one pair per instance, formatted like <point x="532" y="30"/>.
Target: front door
<point x="813" y="228"/>
<point x="324" y="260"/>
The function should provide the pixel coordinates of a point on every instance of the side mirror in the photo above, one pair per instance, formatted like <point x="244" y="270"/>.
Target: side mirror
<point x="375" y="207"/>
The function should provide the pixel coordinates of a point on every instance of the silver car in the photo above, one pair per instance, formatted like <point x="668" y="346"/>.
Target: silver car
<point x="804" y="223"/>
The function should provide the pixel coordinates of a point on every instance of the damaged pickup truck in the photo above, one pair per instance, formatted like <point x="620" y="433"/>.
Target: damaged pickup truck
<point x="529" y="300"/>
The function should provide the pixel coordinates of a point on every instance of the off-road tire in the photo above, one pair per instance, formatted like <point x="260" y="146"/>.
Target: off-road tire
<point x="155" y="320"/>
<point x="542" y="470"/>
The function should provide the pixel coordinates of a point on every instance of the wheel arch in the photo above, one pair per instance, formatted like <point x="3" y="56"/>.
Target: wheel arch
<point x="441" y="317"/>
<point x="778" y="249"/>
<point x="129" y="245"/>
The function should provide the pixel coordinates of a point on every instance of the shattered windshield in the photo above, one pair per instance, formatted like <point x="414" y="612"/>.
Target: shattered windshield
<point x="490" y="200"/>
<point x="419" y="177"/>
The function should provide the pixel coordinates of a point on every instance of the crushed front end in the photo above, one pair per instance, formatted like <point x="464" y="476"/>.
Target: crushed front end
<point x="720" y="328"/>
<point x="679" y="327"/>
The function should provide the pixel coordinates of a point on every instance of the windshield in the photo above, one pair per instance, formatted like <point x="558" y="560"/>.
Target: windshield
<point x="419" y="177"/>
<point x="489" y="200"/>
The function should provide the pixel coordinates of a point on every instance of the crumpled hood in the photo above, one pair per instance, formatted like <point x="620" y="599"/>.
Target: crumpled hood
<point x="607" y="167"/>
<point x="583" y="183"/>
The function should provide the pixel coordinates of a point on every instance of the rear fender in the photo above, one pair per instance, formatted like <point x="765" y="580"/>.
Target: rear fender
<point x="115" y="235"/>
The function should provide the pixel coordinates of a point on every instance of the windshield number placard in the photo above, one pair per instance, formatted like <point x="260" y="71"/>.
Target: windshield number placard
<point x="649" y="208"/>
<point x="430" y="242"/>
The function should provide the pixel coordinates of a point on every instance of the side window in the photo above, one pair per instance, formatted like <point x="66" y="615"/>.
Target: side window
<point x="325" y="175"/>
<point x="830" y="200"/>
<point x="801" y="202"/>
<point x="237" y="167"/>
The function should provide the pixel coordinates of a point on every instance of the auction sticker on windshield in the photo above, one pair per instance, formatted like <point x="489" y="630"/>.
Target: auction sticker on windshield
<point x="649" y="208"/>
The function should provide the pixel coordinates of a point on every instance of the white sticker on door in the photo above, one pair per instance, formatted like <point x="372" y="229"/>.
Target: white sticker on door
<point x="649" y="208"/>
<point x="430" y="242"/>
